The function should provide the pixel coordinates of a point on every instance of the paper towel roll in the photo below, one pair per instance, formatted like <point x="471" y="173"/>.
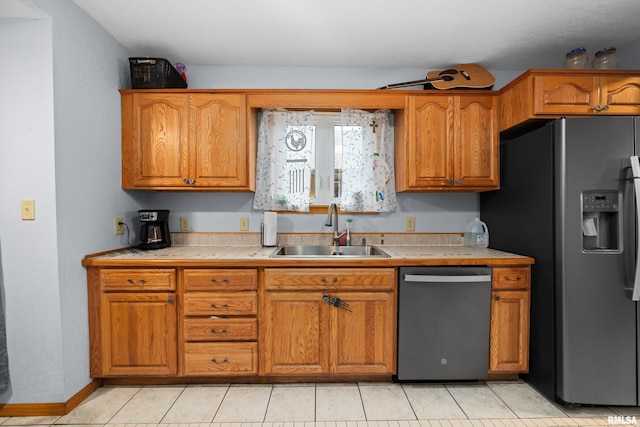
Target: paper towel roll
<point x="270" y="230"/>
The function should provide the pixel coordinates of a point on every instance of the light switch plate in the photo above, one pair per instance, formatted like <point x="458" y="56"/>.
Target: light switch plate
<point x="28" y="210"/>
<point x="411" y="223"/>
<point x="244" y="223"/>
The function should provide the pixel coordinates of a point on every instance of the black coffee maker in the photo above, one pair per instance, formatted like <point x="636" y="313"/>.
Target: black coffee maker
<point x="154" y="231"/>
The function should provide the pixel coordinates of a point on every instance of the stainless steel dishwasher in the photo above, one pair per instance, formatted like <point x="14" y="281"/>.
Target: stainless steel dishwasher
<point x="443" y="323"/>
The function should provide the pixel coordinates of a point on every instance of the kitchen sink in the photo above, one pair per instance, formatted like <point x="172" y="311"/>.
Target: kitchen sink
<point x="322" y="251"/>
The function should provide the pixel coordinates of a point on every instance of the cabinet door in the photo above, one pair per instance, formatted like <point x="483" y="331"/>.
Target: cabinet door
<point x="219" y="156"/>
<point x="564" y="94"/>
<point x="138" y="334"/>
<point x="155" y="132"/>
<point x="509" y="342"/>
<point x="429" y="153"/>
<point x="477" y="144"/>
<point x="363" y="338"/>
<point x="294" y="334"/>
<point x="620" y="95"/>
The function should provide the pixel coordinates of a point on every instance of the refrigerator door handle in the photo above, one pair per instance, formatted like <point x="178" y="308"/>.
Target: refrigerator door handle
<point x="635" y="170"/>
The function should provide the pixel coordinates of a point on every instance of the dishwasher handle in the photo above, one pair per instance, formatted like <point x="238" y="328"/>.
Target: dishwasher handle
<point x="430" y="278"/>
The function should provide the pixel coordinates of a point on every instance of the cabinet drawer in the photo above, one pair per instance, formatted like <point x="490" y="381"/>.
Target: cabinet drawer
<point x="138" y="279"/>
<point x="220" y="279"/>
<point x="221" y="358"/>
<point x="215" y="329"/>
<point x="511" y="278"/>
<point x="330" y="278"/>
<point x="213" y="303"/>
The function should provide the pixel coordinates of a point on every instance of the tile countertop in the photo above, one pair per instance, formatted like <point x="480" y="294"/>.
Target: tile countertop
<point x="257" y="256"/>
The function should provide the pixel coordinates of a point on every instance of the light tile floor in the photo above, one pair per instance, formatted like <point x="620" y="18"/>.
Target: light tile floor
<point x="491" y="404"/>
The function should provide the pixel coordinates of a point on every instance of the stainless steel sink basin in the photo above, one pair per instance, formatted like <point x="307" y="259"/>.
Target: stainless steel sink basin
<point x="323" y="251"/>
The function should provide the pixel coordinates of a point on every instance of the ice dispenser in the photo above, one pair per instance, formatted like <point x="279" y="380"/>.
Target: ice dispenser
<point x="601" y="221"/>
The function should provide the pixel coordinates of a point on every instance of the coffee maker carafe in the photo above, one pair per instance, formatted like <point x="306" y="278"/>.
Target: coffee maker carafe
<point x="154" y="231"/>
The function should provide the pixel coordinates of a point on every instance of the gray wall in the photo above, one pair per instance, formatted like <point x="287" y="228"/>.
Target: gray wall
<point x="60" y="133"/>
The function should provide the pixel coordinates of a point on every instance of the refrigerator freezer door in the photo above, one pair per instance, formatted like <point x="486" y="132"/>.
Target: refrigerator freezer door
<point x="635" y="175"/>
<point x="596" y="330"/>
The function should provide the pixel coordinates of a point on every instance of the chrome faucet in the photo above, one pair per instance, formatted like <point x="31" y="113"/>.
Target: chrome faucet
<point x="334" y="222"/>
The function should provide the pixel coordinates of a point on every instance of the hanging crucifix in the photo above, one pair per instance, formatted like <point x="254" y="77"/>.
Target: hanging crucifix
<point x="373" y="125"/>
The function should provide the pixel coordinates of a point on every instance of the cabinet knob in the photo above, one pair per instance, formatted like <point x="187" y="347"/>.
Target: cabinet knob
<point x="598" y="107"/>
<point x="451" y="182"/>
<point x="458" y="181"/>
<point x="605" y="108"/>
<point x="497" y="297"/>
<point x="170" y="300"/>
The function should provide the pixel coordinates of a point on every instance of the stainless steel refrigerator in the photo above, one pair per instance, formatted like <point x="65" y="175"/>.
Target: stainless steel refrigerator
<point x="567" y="199"/>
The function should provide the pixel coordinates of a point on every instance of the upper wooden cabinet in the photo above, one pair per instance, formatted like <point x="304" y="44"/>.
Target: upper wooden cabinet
<point x="555" y="93"/>
<point x="180" y="140"/>
<point x="447" y="143"/>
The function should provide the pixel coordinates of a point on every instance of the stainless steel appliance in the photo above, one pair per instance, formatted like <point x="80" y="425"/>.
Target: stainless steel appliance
<point x="154" y="229"/>
<point x="443" y="323"/>
<point x="567" y="199"/>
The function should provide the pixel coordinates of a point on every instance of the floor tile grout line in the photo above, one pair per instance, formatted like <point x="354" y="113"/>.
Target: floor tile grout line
<point x="173" y="404"/>
<point x="409" y="400"/>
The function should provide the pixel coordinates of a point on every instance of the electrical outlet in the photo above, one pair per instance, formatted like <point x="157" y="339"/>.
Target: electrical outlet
<point x="244" y="223"/>
<point x="117" y="225"/>
<point x="411" y="223"/>
<point x="184" y="224"/>
<point x="28" y="210"/>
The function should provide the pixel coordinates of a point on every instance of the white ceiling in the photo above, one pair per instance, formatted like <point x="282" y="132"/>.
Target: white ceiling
<point x="427" y="34"/>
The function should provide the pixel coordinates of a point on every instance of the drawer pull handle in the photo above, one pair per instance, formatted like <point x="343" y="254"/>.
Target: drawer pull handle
<point x="222" y="306"/>
<point x="213" y="331"/>
<point x="225" y="280"/>
<point x="137" y="282"/>
<point x="324" y="280"/>
<point x="511" y="279"/>
<point x="225" y="360"/>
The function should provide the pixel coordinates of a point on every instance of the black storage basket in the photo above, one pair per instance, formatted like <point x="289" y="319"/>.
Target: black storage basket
<point x="154" y="73"/>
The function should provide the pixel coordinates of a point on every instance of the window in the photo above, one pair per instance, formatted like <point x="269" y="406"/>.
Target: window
<point x="314" y="158"/>
<point x="326" y="160"/>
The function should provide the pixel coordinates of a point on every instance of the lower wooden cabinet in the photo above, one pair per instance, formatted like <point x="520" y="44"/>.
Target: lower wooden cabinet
<point x="132" y="322"/>
<point x="219" y="324"/>
<point x="304" y="321"/>
<point x="509" y="342"/>
<point x="327" y="321"/>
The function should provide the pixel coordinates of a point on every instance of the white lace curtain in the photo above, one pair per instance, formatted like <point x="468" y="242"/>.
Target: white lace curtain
<point x="283" y="169"/>
<point x="368" y="178"/>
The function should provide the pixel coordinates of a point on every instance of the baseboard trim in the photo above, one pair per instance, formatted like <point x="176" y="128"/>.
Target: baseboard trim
<point x="48" y="409"/>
